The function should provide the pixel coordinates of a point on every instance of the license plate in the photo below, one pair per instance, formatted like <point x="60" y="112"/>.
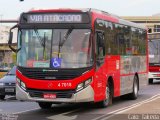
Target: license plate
<point x="9" y="89"/>
<point x="49" y="96"/>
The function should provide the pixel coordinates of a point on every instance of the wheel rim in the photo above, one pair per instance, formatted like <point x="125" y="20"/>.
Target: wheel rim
<point x="107" y="95"/>
<point x="135" y="88"/>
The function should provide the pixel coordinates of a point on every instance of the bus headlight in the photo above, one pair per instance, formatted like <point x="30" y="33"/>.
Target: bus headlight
<point x="83" y="84"/>
<point x="21" y="84"/>
<point x="80" y="87"/>
<point x="87" y="82"/>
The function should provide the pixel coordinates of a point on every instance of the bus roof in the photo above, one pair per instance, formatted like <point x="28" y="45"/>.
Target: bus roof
<point x="96" y="14"/>
<point x="57" y="10"/>
<point x="116" y="19"/>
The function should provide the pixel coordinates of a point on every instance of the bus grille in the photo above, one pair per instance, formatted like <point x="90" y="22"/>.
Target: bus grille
<point x="59" y="94"/>
<point x="49" y="74"/>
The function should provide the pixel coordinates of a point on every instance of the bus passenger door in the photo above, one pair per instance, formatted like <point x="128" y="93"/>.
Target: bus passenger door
<point x="100" y="48"/>
<point x="100" y="55"/>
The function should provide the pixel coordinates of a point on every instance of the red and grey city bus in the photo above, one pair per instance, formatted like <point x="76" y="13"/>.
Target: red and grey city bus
<point x="70" y="56"/>
<point x="154" y="57"/>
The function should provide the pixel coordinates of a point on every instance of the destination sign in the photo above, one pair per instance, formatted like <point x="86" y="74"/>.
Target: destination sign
<point x="55" y="18"/>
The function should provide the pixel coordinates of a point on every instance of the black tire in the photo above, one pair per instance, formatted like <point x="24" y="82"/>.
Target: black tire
<point x="109" y="97"/>
<point x="150" y="81"/>
<point x="45" y="105"/>
<point x="2" y="97"/>
<point x="134" y="94"/>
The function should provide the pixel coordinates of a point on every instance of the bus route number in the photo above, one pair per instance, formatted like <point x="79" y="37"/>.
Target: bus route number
<point x="68" y="84"/>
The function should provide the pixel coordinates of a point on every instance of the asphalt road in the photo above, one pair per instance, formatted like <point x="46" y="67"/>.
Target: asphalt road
<point x="148" y="102"/>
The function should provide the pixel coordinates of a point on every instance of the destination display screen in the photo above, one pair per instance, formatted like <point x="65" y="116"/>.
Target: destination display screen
<point x="55" y="18"/>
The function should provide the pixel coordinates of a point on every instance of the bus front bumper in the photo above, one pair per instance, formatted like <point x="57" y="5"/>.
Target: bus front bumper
<point x="154" y="75"/>
<point x="85" y="95"/>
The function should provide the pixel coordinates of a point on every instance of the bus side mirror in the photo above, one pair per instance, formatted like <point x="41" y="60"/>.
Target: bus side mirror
<point x="10" y="39"/>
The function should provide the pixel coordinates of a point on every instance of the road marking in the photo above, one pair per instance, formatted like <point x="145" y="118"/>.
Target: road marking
<point x="138" y="105"/>
<point x="118" y="111"/>
<point x="103" y="117"/>
<point x="63" y="116"/>
<point x="26" y="111"/>
<point x="106" y="118"/>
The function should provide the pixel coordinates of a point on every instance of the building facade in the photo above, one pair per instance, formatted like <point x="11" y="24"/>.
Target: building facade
<point x="152" y="22"/>
<point x="7" y="57"/>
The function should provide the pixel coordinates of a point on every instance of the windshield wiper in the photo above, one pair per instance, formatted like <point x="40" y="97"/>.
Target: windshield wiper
<point x="44" y="46"/>
<point x="59" y="46"/>
<point x="66" y="36"/>
<point x="61" y="42"/>
<point x="39" y="38"/>
<point x="42" y="41"/>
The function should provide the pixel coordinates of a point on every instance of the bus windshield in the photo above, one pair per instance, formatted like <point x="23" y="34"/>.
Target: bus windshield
<point x="55" y="48"/>
<point x="154" y="51"/>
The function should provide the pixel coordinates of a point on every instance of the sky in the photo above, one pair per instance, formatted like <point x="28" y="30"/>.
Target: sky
<point x="11" y="9"/>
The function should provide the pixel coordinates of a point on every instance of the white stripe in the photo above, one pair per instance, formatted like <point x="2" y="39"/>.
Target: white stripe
<point x="70" y="112"/>
<point x="62" y="116"/>
<point x="106" y="118"/>
<point x="39" y="108"/>
<point x="26" y="111"/>
<point x="138" y="105"/>
<point x="131" y="106"/>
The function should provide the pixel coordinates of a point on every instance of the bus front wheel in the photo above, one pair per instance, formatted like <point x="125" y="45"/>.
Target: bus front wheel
<point x="150" y="81"/>
<point x="45" y="105"/>
<point x="109" y="96"/>
<point x="2" y="97"/>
